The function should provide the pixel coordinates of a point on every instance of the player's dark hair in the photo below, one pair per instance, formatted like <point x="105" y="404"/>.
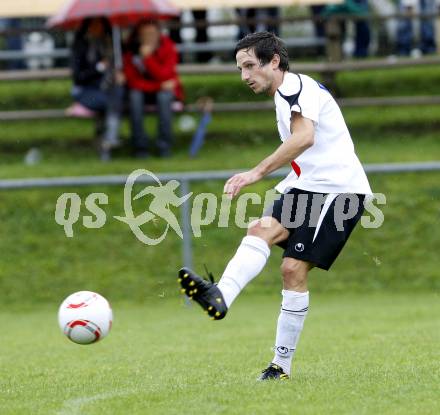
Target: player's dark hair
<point x="265" y="45"/>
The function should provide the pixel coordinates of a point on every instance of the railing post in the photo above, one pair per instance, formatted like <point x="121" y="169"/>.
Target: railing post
<point x="186" y="225"/>
<point x="437" y="28"/>
<point x="333" y="36"/>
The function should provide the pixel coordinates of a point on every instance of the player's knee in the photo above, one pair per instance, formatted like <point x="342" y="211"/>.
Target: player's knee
<point x="255" y="229"/>
<point x="294" y="272"/>
<point x="266" y="228"/>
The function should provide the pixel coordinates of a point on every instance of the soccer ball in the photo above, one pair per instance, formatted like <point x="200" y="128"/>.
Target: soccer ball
<point x="85" y="317"/>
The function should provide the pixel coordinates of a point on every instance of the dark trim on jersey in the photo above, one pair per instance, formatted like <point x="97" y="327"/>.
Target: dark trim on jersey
<point x="293" y="99"/>
<point x="322" y="86"/>
<point x="295" y="311"/>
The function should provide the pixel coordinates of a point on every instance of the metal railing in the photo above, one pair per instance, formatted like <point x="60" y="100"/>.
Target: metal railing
<point x="187" y="47"/>
<point x="185" y="180"/>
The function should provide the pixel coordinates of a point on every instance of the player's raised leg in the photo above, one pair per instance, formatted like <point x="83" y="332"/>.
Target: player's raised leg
<point x="248" y="261"/>
<point x="294" y="307"/>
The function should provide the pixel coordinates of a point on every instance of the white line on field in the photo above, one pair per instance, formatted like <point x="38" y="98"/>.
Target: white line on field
<point x="74" y="406"/>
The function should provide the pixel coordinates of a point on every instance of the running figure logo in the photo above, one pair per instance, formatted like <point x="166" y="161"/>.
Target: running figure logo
<point x="163" y="197"/>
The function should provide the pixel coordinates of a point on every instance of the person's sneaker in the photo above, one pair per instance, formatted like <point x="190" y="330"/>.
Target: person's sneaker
<point x="273" y="372"/>
<point x="78" y="110"/>
<point x="205" y="292"/>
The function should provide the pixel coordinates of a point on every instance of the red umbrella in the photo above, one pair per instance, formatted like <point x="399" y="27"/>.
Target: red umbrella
<point x="119" y="12"/>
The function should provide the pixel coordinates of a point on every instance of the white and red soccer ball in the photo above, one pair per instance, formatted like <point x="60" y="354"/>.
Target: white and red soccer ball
<point x="85" y="317"/>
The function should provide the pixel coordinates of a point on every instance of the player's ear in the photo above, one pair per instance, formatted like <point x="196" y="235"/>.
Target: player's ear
<point x="275" y="62"/>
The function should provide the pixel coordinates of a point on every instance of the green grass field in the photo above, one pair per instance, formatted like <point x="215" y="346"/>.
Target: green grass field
<point x="359" y="354"/>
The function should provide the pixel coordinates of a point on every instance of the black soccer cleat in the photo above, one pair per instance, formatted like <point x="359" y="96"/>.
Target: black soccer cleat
<point x="273" y="372"/>
<point x="205" y="292"/>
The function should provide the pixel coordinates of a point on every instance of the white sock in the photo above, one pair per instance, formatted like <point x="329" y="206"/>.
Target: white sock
<point x="290" y="323"/>
<point x="247" y="263"/>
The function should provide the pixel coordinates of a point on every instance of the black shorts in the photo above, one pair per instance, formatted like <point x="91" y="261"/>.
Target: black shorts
<point x="319" y="224"/>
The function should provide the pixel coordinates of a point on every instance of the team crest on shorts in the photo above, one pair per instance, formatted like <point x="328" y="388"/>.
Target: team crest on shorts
<point x="299" y="247"/>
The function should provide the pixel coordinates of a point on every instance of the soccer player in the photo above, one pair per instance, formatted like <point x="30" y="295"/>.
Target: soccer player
<point x="321" y="200"/>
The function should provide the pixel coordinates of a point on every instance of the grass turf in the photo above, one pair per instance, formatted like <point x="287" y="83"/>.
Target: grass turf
<point x="359" y="354"/>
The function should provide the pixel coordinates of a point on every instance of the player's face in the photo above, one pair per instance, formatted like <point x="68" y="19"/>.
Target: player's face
<point x="259" y="78"/>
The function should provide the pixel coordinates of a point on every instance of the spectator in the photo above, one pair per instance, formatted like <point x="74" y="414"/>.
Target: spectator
<point x="150" y="66"/>
<point x="199" y="16"/>
<point x="257" y="15"/>
<point x="319" y="23"/>
<point x="14" y="42"/>
<point x="201" y="35"/>
<point x="362" y="27"/>
<point x="405" y="30"/>
<point x="97" y="86"/>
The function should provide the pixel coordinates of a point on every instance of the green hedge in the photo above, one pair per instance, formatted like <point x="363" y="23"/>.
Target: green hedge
<point x="229" y="88"/>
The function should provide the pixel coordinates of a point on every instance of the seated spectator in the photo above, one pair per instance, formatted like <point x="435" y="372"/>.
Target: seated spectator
<point x="150" y="67"/>
<point x="97" y="87"/>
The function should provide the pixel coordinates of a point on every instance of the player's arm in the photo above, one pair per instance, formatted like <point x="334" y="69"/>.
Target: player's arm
<point x="301" y="139"/>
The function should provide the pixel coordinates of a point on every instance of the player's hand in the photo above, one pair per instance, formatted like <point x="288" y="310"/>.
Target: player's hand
<point x="238" y="181"/>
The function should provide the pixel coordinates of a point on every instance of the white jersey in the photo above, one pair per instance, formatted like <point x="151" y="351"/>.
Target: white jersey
<point x="330" y="165"/>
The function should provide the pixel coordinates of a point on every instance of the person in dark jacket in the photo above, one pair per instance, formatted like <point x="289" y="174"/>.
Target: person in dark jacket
<point x="150" y="68"/>
<point x="97" y="85"/>
<point x="406" y="36"/>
